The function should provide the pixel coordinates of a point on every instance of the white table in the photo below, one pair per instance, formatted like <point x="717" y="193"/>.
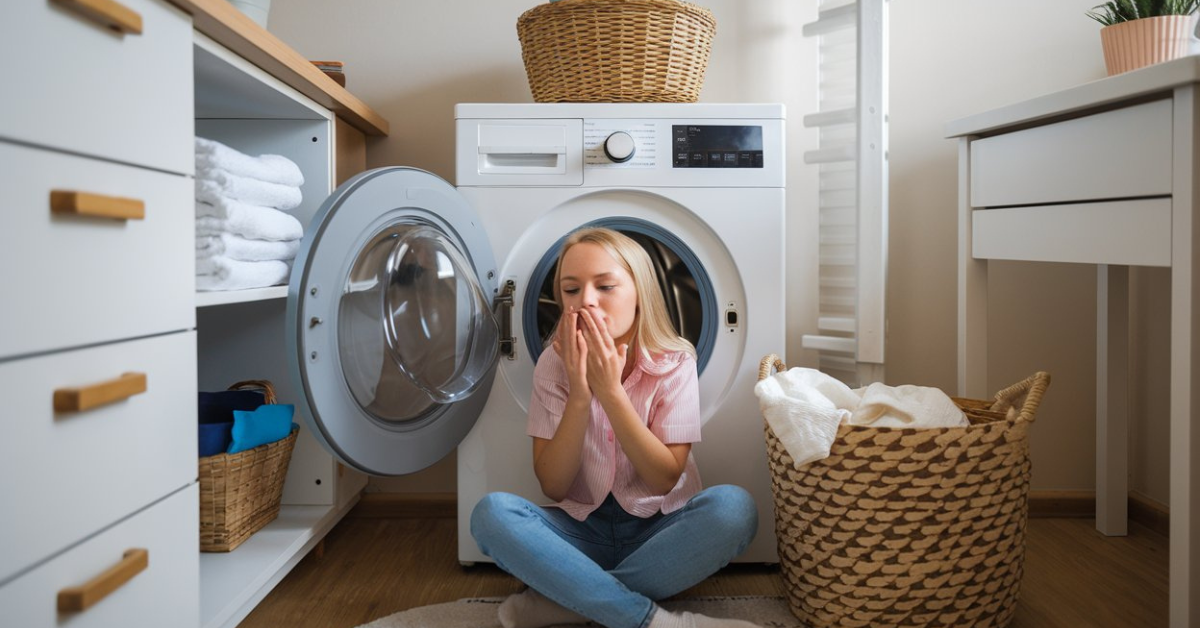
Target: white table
<point x="1103" y="174"/>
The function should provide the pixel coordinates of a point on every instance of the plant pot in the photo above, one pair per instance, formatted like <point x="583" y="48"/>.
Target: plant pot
<point x="1139" y="43"/>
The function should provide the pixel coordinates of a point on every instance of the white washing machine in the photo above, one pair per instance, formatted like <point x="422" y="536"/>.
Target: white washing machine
<point x="409" y="296"/>
<point x="701" y="187"/>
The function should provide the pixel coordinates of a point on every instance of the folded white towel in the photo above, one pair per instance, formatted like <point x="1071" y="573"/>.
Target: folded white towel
<point x="218" y="184"/>
<point x="213" y="155"/>
<point x="221" y="273"/>
<point x="244" y="249"/>
<point x="248" y="221"/>
<point x="906" y="406"/>
<point x="804" y="407"/>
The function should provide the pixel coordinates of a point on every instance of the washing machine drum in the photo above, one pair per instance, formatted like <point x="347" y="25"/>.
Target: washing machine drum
<point x="391" y="333"/>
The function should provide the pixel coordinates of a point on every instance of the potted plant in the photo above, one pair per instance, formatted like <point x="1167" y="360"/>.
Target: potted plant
<point x="1138" y="33"/>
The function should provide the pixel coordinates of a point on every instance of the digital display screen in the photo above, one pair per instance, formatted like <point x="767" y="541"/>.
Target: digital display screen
<point x="704" y="146"/>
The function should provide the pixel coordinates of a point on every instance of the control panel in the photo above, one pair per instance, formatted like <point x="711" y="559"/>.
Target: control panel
<point x="716" y="146"/>
<point x="617" y="143"/>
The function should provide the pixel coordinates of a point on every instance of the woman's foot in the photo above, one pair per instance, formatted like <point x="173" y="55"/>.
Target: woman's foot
<point x="666" y="619"/>
<point x="530" y="609"/>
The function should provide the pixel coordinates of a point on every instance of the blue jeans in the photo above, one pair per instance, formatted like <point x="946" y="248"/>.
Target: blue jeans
<point x="611" y="567"/>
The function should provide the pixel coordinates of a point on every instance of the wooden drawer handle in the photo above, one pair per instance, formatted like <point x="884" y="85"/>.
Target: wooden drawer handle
<point x="81" y="598"/>
<point x="91" y="396"/>
<point x="96" y="205"/>
<point x="107" y="13"/>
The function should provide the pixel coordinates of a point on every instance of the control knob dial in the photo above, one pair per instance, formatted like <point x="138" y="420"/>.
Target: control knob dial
<point x="619" y="147"/>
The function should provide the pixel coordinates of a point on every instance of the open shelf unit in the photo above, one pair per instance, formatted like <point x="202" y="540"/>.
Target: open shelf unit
<point x="241" y="334"/>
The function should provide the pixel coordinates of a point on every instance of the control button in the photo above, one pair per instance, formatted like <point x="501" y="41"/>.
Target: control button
<point x="714" y="160"/>
<point x="730" y="160"/>
<point x="682" y="159"/>
<point x="758" y="159"/>
<point x="619" y="147"/>
<point x="745" y="160"/>
<point x="699" y="160"/>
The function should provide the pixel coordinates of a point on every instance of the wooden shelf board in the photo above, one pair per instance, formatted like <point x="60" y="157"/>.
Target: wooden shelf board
<point x="233" y="29"/>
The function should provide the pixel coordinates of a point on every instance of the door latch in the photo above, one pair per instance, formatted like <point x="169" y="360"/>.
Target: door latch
<point x="504" y="305"/>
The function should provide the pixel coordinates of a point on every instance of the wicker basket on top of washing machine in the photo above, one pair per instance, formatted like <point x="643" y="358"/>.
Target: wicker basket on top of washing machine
<point x="616" y="50"/>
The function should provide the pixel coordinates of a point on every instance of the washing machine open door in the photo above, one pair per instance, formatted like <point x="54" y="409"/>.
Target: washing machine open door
<point x="391" y="333"/>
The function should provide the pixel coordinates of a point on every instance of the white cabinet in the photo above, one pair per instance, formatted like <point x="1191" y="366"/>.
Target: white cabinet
<point x="97" y="352"/>
<point x="98" y="275"/>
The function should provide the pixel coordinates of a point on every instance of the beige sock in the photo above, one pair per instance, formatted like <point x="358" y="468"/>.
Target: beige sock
<point x="665" y="619"/>
<point x="530" y="609"/>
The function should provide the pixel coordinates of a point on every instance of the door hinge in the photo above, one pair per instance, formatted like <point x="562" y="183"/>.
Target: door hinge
<point x="504" y="306"/>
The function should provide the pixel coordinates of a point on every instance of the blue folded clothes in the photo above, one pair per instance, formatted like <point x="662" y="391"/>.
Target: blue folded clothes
<point x="214" y="438"/>
<point x="218" y="407"/>
<point x="265" y="424"/>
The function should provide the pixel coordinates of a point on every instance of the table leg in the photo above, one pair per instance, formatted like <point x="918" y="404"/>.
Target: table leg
<point x="972" y="292"/>
<point x="1112" y="399"/>
<point x="1185" y="373"/>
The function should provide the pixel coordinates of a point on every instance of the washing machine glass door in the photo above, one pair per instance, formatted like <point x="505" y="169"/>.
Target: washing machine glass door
<point x="391" y="333"/>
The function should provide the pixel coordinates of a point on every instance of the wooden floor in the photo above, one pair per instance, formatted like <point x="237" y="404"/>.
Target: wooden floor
<point x="1074" y="576"/>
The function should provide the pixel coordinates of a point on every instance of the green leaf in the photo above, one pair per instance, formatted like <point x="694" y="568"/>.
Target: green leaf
<point x="1117" y="11"/>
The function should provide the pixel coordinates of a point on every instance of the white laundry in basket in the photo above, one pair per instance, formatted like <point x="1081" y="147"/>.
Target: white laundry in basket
<point x="804" y="407"/>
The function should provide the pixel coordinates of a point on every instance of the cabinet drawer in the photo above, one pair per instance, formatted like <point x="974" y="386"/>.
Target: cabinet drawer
<point x="72" y="280"/>
<point x="1125" y="153"/>
<point x="76" y="85"/>
<point x="1127" y="233"/>
<point x="75" y="472"/>
<point x="165" y="593"/>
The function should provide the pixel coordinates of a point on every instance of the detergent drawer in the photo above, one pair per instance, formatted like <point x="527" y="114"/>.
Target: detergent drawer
<point x="77" y="84"/>
<point x="151" y="557"/>
<point x="519" y="152"/>
<point x="84" y="466"/>
<point x="95" y="251"/>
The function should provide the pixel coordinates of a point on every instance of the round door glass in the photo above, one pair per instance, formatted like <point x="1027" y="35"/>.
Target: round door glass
<point x="415" y="328"/>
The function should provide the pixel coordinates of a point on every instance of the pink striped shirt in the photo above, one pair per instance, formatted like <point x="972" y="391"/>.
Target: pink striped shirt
<point x="666" y="396"/>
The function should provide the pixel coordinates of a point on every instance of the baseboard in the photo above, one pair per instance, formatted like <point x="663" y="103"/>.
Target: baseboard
<point x="1082" y="504"/>
<point x="1060" y="504"/>
<point x="407" y="506"/>
<point x="1150" y="513"/>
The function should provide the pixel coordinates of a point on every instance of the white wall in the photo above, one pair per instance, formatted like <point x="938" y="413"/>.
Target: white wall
<point x="412" y="61"/>
<point x="952" y="58"/>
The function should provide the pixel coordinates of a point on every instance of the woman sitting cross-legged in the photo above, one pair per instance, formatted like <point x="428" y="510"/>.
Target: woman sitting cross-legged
<point x="613" y="415"/>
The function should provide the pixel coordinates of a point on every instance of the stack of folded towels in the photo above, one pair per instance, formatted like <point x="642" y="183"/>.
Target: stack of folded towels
<point x="244" y="238"/>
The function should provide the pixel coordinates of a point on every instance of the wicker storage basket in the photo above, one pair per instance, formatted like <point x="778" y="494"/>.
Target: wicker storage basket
<point x="240" y="493"/>
<point x="616" y="50"/>
<point x="909" y="527"/>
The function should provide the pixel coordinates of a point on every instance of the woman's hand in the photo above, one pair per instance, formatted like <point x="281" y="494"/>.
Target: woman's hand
<point x="605" y="360"/>
<point x="570" y="345"/>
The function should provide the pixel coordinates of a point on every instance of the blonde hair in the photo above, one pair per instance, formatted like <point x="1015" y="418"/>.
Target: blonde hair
<point x="653" y="332"/>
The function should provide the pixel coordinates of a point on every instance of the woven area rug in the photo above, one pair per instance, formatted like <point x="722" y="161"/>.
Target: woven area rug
<point x="768" y="612"/>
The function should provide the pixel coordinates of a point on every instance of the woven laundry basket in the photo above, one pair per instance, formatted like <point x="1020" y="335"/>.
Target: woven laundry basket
<point x="909" y="527"/>
<point x="240" y="493"/>
<point x="616" y="50"/>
